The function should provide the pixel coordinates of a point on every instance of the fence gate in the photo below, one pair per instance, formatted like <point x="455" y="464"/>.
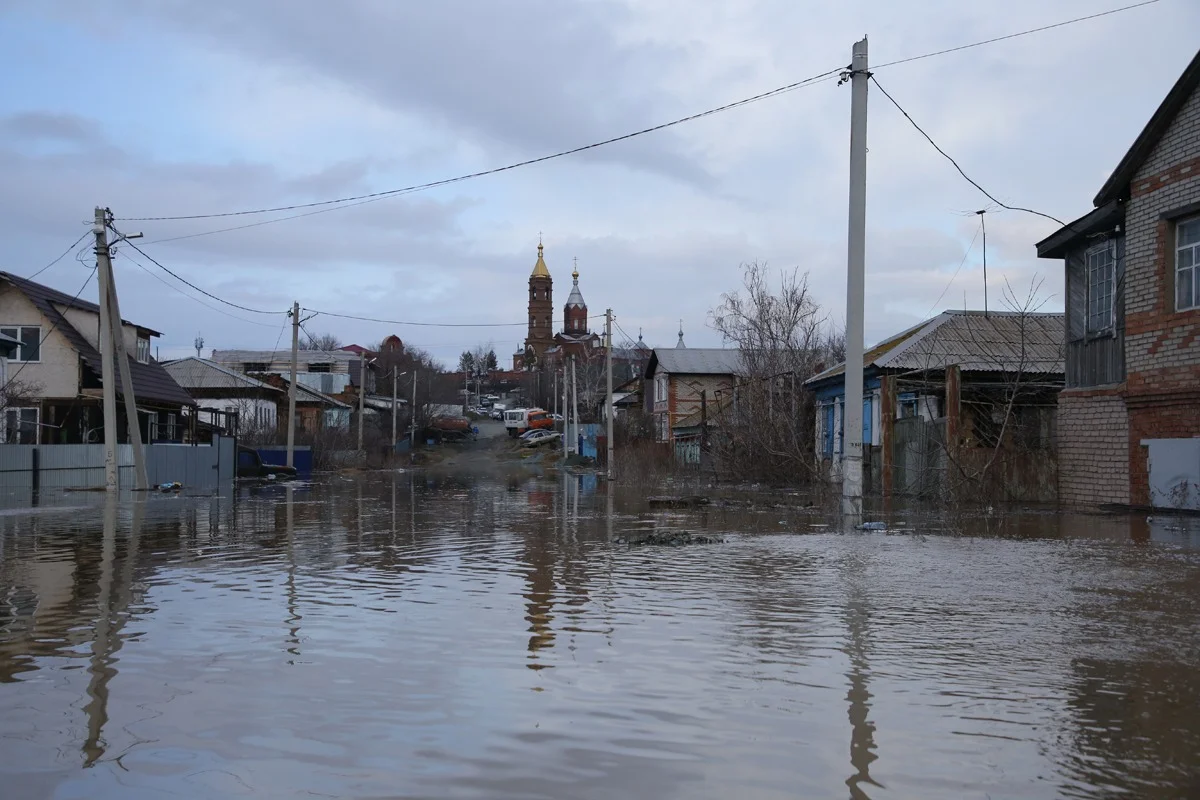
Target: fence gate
<point x="918" y="456"/>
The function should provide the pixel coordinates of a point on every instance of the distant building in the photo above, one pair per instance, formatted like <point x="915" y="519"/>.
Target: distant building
<point x="542" y="344"/>
<point x="679" y="381"/>
<point x="331" y="372"/>
<point x="1127" y="420"/>
<point x="219" y="388"/>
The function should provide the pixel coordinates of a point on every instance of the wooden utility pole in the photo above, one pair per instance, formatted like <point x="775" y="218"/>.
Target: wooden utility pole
<point x="107" y="378"/>
<point x="608" y="463"/>
<point x="291" y="423"/>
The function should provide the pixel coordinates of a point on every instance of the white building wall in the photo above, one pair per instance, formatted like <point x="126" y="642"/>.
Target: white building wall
<point x="56" y="375"/>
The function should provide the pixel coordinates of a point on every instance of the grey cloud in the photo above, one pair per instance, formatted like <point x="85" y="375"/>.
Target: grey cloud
<point x="42" y="125"/>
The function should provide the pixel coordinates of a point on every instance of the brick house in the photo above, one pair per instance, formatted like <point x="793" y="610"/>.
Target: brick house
<point x="680" y="380"/>
<point x="1128" y="425"/>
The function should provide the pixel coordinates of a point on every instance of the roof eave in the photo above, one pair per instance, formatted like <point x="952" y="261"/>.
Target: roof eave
<point x="1104" y="218"/>
<point x="1118" y="184"/>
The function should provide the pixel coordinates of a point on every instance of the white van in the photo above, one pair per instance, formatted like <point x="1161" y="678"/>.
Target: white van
<point x="514" y="421"/>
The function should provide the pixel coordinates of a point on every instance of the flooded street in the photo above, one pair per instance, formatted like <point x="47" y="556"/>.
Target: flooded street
<point x="401" y="635"/>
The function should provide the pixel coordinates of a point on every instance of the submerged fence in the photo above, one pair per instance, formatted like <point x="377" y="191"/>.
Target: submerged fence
<point x="80" y="466"/>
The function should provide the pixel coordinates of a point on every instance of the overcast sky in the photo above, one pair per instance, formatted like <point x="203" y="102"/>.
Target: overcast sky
<point x="168" y="107"/>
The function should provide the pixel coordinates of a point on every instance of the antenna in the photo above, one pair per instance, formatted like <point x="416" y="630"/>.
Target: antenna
<point x="198" y="344"/>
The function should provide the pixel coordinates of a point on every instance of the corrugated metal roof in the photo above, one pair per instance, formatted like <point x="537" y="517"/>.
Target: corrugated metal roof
<point x="150" y="381"/>
<point x="276" y="356"/>
<point x="1001" y="341"/>
<point x="696" y="361"/>
<point x="198" y="373"/>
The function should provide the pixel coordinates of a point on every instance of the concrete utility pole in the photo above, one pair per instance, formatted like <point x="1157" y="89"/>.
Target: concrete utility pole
<point x="852" y="491"/>
<point x="608" y="464"/>
<point x="121" y="355"/>
<point x="983" y="229"/>
<point x="566" y="412"/>
<point x="107" y="378"/>
<point x="575" y="405"/>
<point x="395" y="402"/>
<point x="412" y="418"/>
<point x="291" y="425"/>
<point x="362" y="395"/>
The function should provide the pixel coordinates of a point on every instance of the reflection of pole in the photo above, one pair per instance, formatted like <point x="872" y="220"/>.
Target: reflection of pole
<point x="97" y="707"/>
<point x="293" y="618"/>
<point x="608" y="406"/>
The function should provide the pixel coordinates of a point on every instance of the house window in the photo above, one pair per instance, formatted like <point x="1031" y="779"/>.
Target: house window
<point x="1187" y="264"/>
<point x="256" y="366"/>
<point x="1100" y="279"/>
<point x="20" y="425"/>
<point x="664" y="427"/>
<point x="660" y="388"/>
<point x="170" y="427"/>
<point x="323" y="366"/>
<point x="827" y="431"/>
<point x="143" y="350"/>
<point x="31" y="341"/>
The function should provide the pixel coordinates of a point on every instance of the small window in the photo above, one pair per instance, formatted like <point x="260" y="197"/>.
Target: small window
<point x="143" y="350"/>
<point x="1100" y="278"/>
<point x="1187" y="264"/>
<point x="20" y="425"/>
<point x="31" y="341"/>
<point x="256" y="366"/>
<point x="171" y="427"/>
<point x="323" y="366"/>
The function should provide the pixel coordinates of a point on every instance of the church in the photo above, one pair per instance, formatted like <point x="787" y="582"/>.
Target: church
<point x="544" y="346"/>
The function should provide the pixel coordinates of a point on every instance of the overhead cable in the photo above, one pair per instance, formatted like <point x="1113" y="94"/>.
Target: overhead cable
<point x="60" y="257"/>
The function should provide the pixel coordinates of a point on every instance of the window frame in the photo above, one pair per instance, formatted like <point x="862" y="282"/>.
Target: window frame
<point x="661" y="388"/>
<point x="37" y="422"/>
<point x="18" y="336"/>
<point x="1194" y="267"/>
<point x="142" y="358"/>
<point x="1108" y="249"/>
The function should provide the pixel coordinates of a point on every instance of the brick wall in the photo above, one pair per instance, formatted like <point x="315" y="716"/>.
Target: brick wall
<point x="1093" y="450"/>
<point x="1162" y="346"/>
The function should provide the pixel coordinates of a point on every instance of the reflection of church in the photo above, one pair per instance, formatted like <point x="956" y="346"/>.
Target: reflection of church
<point x="542" y="344"/>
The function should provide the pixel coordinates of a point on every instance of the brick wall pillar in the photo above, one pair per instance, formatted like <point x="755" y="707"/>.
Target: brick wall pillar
<point x="887" y="429"/>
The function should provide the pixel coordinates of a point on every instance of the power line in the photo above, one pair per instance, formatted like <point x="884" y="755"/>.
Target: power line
<point x="949" y="158"/>
<point x="562" y="153"/>
<point x="1015" y="35"/>
<point x="60" y="257"/>
<point x="967" y="254"/>
<point x="175" y="288"/>
<point x="194" y="286"/>
<point x="431" y="324"/>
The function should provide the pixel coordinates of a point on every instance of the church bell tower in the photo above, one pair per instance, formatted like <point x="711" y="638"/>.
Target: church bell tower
<point x="541" y="307"/>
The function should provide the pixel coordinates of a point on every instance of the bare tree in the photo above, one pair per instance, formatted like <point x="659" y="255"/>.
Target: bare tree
<point x="764" y="426"/>
<point x="17" y="395"/>
<point x="324" y="342"/>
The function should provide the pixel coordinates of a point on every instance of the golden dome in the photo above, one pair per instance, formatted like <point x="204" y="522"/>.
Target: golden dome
<point x="539" y="269"/>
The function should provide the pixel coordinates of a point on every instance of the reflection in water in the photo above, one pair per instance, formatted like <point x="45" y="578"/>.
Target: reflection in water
<point x="349" y="636"/>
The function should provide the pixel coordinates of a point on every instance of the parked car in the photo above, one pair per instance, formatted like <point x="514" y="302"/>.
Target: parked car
<point x="529" y="433"/>
<point x="540" y="436"/>
<point x="497" y="413"/>
<point x="556" y="417"/>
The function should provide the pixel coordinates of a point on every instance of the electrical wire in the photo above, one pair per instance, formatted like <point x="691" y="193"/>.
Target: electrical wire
<point x="995" y="39"/>
<point x="60" y="257"/>
<point x="194" y="286"/>
<point x="431" y="324"/>
<point x="562" y="153"/>
<point x="42" y="341"/>
<point x="966" y="255"/>
<point x="175" y="288"/>
<point x="949" y="158"/>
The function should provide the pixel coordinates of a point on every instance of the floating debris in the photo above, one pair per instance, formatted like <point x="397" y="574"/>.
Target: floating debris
<point x="678" y="501"/>
<point x="669" y="539"/>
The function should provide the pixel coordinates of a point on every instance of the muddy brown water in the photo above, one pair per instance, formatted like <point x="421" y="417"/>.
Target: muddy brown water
<point x="401" y="635"/>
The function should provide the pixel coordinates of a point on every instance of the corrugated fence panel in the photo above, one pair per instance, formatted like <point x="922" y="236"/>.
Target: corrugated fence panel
<point x="16" y="457"/>
<point x="63" y="466"/>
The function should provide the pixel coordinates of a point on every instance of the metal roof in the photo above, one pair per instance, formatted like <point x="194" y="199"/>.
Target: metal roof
<point x="150" y="380"/>
<point x="695" y="361"/>
<point x="1000" y="341"/>
<point x="198" y="373"/>
<point x="277" y="356"/>
<point x="575" y="299"/>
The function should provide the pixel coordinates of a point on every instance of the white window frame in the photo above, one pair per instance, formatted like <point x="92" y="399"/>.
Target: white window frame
<point x="1104" y="249"/>
<point x="17" y="336"/>
<point x="661" y="388"/>
<point x="143" y="343"/>
<point x="1193" y="250"/>
<point x="37" y="422"/>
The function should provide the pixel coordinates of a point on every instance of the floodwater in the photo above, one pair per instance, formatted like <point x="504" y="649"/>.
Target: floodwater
<point x="398" y="635"/>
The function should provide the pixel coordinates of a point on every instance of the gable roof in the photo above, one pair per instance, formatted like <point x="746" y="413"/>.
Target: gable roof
<point x="1000" y="341"/>
<point x="150" y="380"/>
<point x="198" y="373"/>
<point x="279" y="356"/>
<point x="1117" y="185"/>
<point x="695" y="361"/>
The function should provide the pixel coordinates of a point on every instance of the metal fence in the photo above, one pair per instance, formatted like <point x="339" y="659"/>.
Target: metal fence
<point x="79" y="466"/>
